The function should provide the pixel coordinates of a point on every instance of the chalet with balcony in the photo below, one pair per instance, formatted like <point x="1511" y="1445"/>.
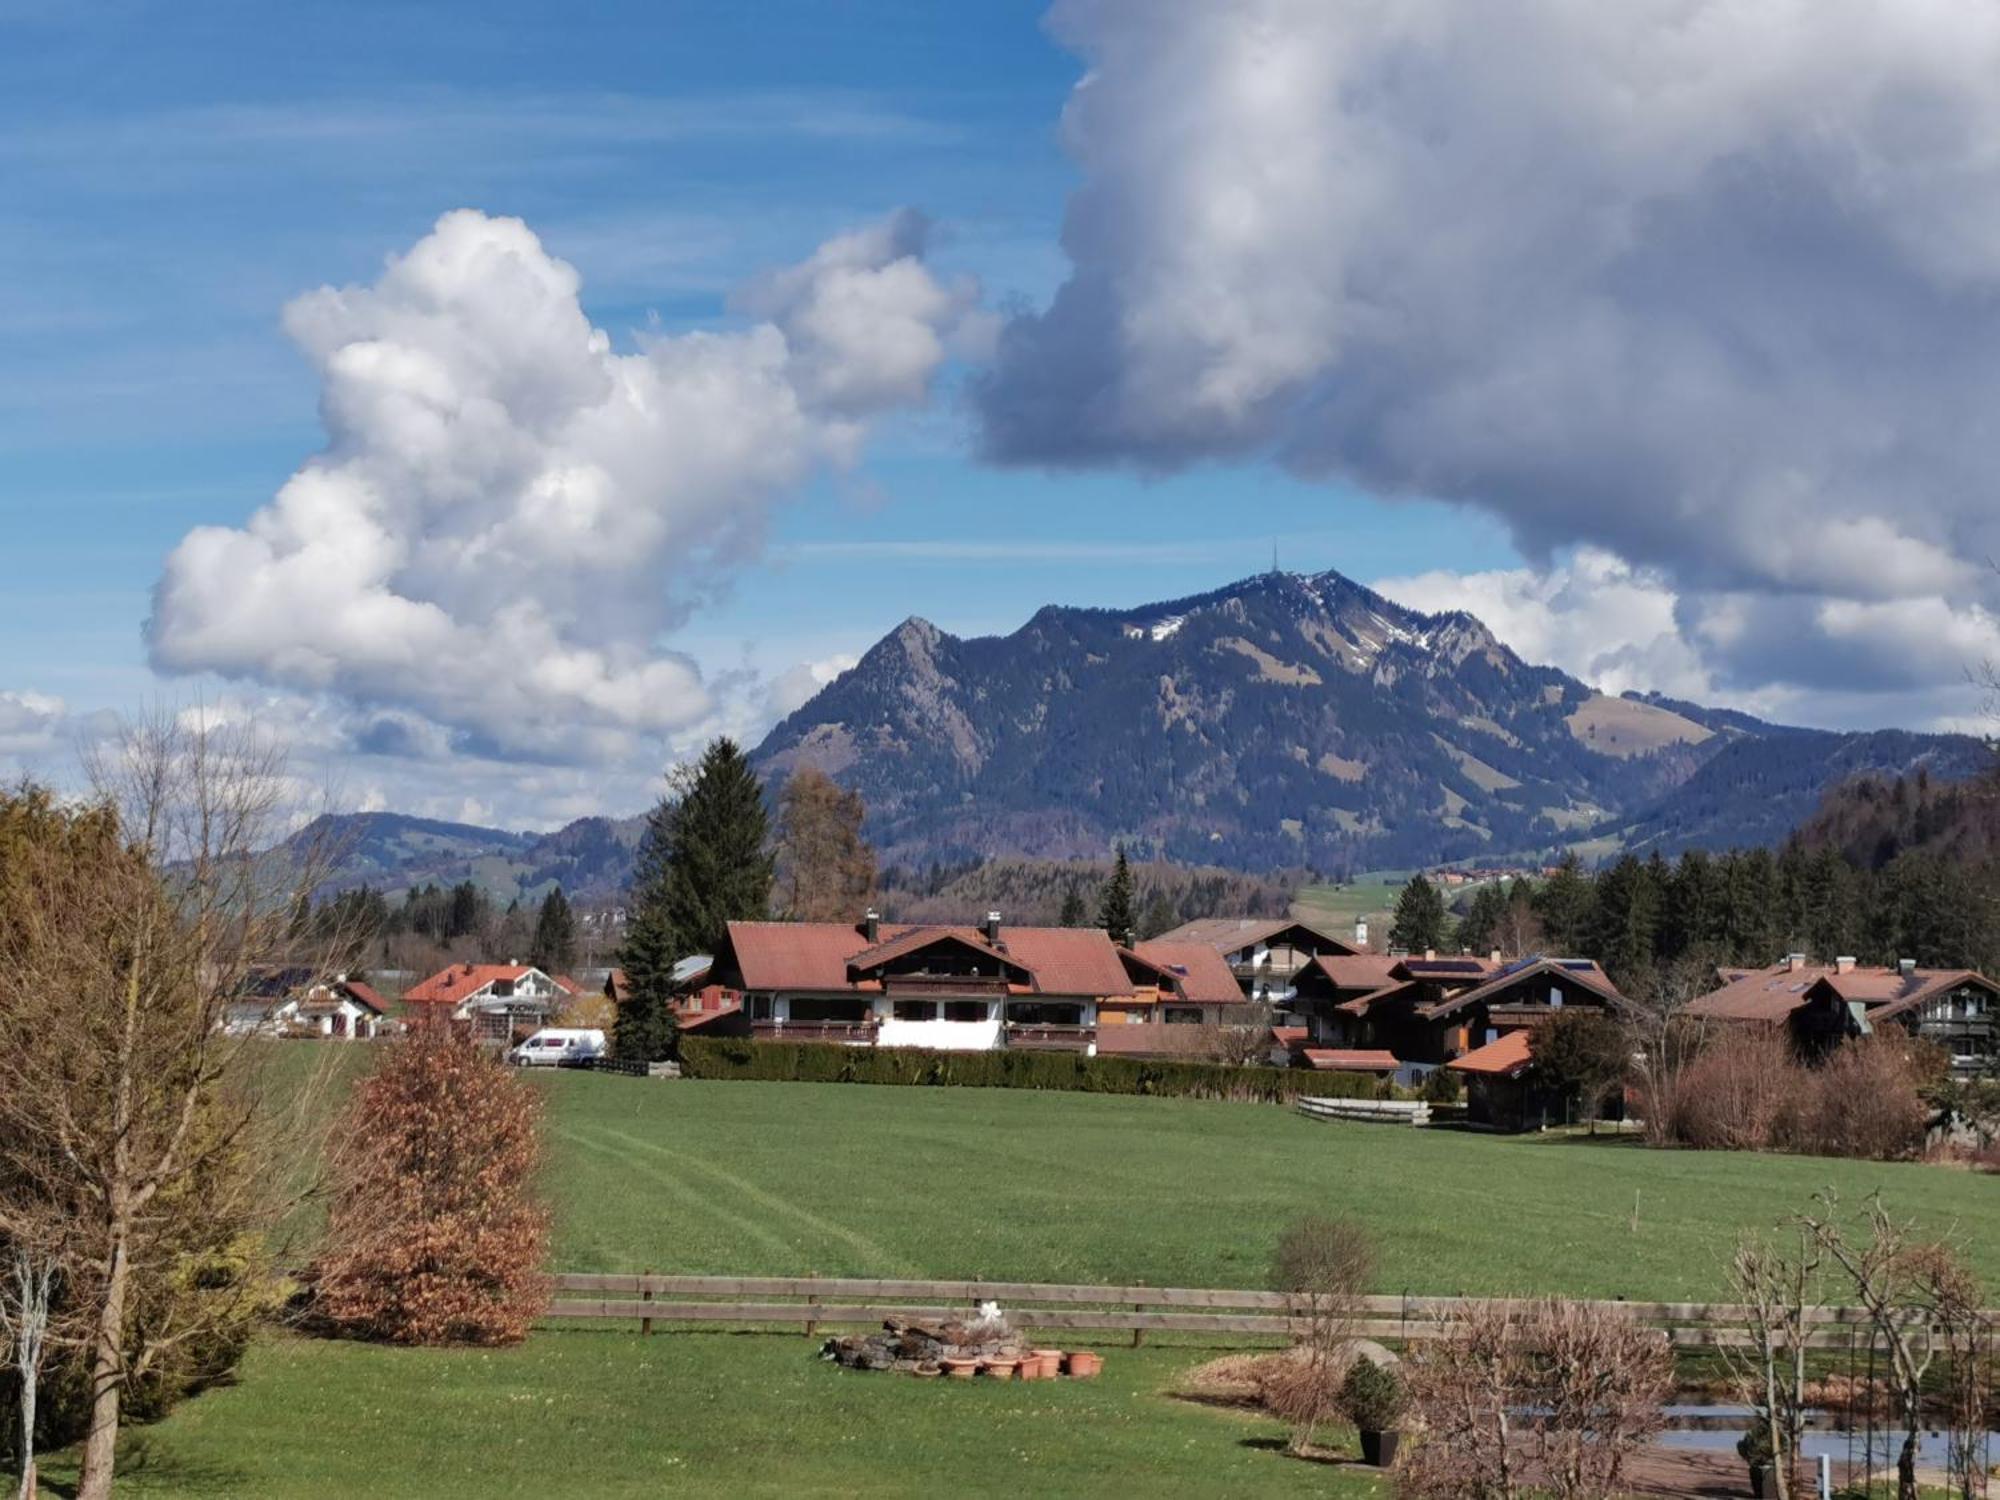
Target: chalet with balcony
<point x="1430" y="1010"/>
<point x="951" y="988"/>
<point x="1265" y="954"/>
<point x="495" y="1000"/>
<point x="1822" y="1005"/>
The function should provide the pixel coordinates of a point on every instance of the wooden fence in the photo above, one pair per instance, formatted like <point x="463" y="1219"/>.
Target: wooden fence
<point x="808" y="1302"/>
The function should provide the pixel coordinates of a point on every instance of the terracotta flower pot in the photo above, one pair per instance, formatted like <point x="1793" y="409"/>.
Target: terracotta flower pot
<point x="961" y="1369"/>
<point x="1031" y="1368"/>
<point x="1084" y="1365"/>
<point x="1051" y="1361"/>
<point x="1002" y="1369"/>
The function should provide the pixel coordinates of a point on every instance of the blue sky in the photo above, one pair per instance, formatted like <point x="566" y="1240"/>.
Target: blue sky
<point x="177" y="173"/>
<point x="171" y="176"/>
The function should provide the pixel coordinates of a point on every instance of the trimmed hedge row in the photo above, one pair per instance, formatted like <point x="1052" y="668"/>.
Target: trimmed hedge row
<point x="824" y="1062"/>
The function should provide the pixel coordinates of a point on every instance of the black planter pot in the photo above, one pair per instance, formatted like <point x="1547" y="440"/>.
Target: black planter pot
<point x="1379" y="1448"/>
<point x="1760" y="1480"/>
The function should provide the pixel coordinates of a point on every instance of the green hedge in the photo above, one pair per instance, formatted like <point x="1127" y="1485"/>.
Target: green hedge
<point x="823" y="1062"/>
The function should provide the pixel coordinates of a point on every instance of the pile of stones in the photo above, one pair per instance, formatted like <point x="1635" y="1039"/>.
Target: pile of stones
<point x="922" y="1348"/>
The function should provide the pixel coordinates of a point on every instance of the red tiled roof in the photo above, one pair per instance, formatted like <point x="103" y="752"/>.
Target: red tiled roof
<point x="1508" y="1056"/>
<point x="454" y="984"/>
<point x="694" y="1020"/>
<point x="1289" y="1036"/>
<point x="1200" y="972"/>
<point x="1227" y="934"/>
<point x="367" y="994"/>
<point x="816" y="955"/>
<point x="1154" y="1039"/>
<point x="1351" y="1060"/>
<point x="916" y="939"/>
<point x="1773" y="994"/>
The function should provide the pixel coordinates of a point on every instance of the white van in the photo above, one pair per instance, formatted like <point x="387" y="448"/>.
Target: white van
<point x="557" y="1044"/>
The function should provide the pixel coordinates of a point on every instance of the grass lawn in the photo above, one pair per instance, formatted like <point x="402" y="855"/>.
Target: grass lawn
<point x="610" y="1414"/>
<point x="846" y="1179"/>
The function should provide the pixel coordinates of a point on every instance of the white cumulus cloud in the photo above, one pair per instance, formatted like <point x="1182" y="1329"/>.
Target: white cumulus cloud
<point x="510" y="513"/>
<point x="1712" y="286"/>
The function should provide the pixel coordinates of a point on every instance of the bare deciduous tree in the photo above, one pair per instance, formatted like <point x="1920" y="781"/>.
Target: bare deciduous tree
<point x="1554" y="1395"/>
<point x="1324" y="1266"/>
<point x="1461" y="1386"/>
<point x="128" y="924"/>
<point x="27" y="1313"/>
<point x="1780" y="1291"/>
<point x="1920" y="1299"/>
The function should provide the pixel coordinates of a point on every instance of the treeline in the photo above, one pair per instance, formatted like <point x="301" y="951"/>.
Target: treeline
<point x="1647" y="920"/>
<point x="432" y="925"/>
<point x="1068" y="892"/>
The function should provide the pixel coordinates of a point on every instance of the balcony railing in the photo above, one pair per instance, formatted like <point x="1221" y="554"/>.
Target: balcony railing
<point x="847" y="1033"/>
<point x="1051" y="1038"/>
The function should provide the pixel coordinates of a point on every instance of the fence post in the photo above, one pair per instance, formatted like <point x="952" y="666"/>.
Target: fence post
<point x="812" y="1300"/>
<point x="646" y="1295"/>
<point x="1138" y="1333"/>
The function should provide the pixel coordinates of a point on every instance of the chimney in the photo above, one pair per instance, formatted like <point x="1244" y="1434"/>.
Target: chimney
<point x="1361" y="932"/>
<point x="1493" y="957"/>
<point x="871" y="925"/>
<point x="1430" y="955"/>
<point x="1795" y="962"/>
<point x="1844" y="964"/>
<point x="993" y="927"/>
<point x="1906" y="967"/>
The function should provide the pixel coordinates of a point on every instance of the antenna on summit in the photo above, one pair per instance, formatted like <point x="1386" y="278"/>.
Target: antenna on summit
<point x="1274" y="557"/>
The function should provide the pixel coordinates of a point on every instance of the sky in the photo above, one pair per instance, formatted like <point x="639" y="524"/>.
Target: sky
<point x="496" y="401"/>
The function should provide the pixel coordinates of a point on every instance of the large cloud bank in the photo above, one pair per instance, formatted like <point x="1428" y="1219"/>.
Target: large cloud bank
<point x="510" y="513"/>
<point x="1712" y="285"/>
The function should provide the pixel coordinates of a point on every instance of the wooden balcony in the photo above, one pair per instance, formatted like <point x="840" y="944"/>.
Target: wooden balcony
<point x="1050" y="1038"/>
<point x="845" y="1033"/>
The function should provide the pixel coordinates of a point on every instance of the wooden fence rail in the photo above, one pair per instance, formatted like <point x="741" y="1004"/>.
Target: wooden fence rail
<point x="814" y="1300"/>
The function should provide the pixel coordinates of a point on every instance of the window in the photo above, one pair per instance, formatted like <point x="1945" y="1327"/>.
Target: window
<point x="967" y="1010"/>
<point x="1183" y="1015"/>
<point x="916" y="1010"/>
<point x="760" y="1007"/>
<point x="1555" y="998"/>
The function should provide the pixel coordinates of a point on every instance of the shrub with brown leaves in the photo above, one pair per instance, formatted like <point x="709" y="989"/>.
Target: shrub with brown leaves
<point x="1864" y="1102"/>
<point x="1747" y="1091"/>
<point x="435" y="1236"/>
<point x="1738" y="1092"/>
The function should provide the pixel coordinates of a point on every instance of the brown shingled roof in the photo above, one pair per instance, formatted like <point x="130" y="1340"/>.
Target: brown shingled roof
<point x="816" y="955"/>
<point x="1227" y="934"/>
<point x="1200" y="972"/>
<point x="1570" y="970"/>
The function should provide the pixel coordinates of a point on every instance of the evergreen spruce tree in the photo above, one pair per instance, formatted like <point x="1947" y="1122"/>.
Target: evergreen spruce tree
<point x="1420" y="918"/>
<point x="1564" y="903"/>
<point x="1115" y="912"/>
<point x="554" y="948"/>
<point x="1625" y="920"/>
<point x="1479" y="928"/>
<point x="703" y="864"/>
<point x="1074" y="912"/>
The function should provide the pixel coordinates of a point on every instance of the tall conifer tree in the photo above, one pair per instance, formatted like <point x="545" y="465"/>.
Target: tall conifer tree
<point x="1115" y="913"/>
<point x="703" y="865"/>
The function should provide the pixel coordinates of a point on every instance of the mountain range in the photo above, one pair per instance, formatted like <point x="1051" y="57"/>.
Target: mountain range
<point x="1295" y="720"/>
<point x="1286" y="721"/>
